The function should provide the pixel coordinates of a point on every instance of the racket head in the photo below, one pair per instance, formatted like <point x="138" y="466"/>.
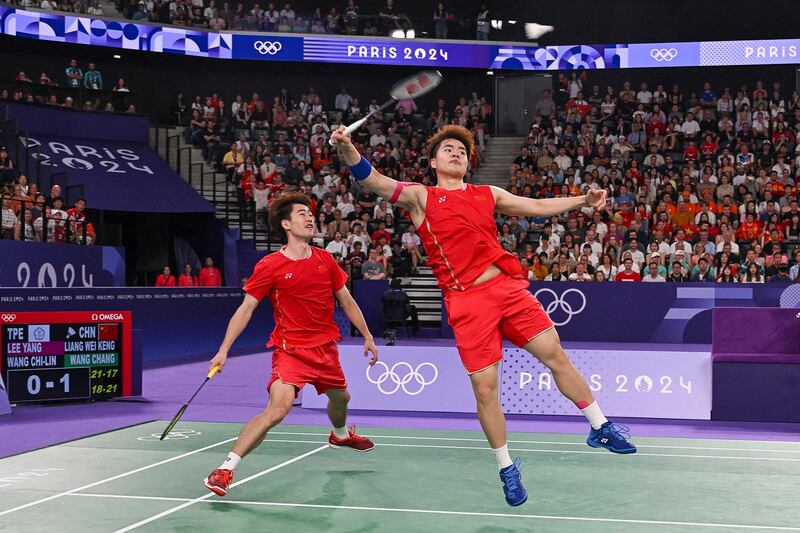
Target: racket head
<point x="415" y="86"/>
<point x="174" y="421"/>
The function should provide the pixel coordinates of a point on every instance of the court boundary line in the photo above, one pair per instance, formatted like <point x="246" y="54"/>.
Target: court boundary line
<point x="581" y="452"/>
<point x="204" y="499"/>
<point x="76" y="439"/>
<point x="113" y="478"/>
<point x="582" y="443"/>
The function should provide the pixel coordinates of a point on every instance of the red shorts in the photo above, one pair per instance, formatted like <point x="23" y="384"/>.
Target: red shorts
<point x="482" y="315"/>
<point x="318" y="366"/>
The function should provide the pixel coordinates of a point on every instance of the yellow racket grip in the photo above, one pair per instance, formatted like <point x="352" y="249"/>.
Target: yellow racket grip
<point x="213" y="371"/>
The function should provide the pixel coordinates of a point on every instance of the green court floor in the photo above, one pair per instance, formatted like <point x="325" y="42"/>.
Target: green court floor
<point x="414" y="480"/>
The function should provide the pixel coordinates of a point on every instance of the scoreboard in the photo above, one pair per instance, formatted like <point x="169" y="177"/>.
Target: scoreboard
<point x="74" y="355"/>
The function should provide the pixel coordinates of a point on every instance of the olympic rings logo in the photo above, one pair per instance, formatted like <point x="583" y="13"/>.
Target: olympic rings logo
<point x="396" y="382"/>
<point x="176" y="434"/>
<point x="560" y="302"/>
<point x="663" y="54"/>
<point x="267" y="47"/>
<point x="9" y="317"/>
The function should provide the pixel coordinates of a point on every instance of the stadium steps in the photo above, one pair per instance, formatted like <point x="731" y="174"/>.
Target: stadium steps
<point x="425" y="294"/>
<point x="211" y="185"/>
<point x="500" y="153"/>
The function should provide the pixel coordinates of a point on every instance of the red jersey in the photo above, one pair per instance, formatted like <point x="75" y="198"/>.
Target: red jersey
<point x="210" y="277"/>
<point x="628" y="276"/>
<point x="301" y="292"/>
<point x="165" y="281"/>
<point x="460" y="236"/>
<point x="188" y="281"/>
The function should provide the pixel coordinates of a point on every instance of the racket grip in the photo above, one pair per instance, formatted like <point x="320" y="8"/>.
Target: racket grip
<point x="351" y="128"/>
<point x="213" y="371"/>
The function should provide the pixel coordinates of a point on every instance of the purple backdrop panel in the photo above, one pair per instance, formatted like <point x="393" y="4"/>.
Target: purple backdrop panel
<point x="757" y="331"/>
<point x="647" y="312"/>
<point x="119" y="171"/>
<point x="407" y="378"/>
<point x="39" y="264"/>
<point x="630" y="383"/>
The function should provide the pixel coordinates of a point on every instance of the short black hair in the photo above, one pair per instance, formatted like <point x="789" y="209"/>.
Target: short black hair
<point x="281" y="209"/>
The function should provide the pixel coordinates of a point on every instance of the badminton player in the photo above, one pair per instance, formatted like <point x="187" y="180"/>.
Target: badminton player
<point x="301" y="281"/>
<point x="485" y="288"/>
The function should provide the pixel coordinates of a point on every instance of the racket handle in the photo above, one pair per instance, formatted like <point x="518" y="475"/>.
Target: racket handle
<point x="351" y="128"/>
<point x="213" y="371"/>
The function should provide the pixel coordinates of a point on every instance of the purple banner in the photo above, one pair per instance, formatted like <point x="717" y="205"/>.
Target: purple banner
<point x="626" y="383"/>
<point x="50" y="26"/>
<point x="648" y="312"/>
<point x="406" y="378"/>
<point x="36" y="264"/>
<point x="108" y="155"/>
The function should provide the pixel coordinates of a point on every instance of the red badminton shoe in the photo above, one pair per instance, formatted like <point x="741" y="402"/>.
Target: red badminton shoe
<point x="357" y="442"/>
<point x="218" y="481"/>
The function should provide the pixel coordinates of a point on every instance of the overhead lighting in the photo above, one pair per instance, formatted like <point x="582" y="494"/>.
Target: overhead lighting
<point x="490" y="73"/>
<point x="496" y="24"/>
<point x="534" y="30"/>
<point x="512" y="21"/>
<point x="117" y="56"/>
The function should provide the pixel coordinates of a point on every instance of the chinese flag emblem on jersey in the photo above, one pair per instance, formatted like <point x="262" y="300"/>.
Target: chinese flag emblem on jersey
<point x="108" y="332"/>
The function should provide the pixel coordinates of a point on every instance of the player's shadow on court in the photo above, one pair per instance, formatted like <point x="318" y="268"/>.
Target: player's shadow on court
<point x="333" y="494"/>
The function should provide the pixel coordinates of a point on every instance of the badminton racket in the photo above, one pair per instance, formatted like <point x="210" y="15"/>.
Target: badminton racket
<point x="405" y="89"/>
<point x="184" y="406"/>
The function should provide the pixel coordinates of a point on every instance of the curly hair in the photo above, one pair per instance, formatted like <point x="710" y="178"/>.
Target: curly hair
<point x="280" y="209"/>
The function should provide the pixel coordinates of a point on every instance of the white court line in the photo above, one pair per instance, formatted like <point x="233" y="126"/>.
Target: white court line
<point x="188" y="503"/>
<point x="90" y="485"/>
<point x="456" y="513"/>
<point x="560" y="443"/>
<point x="594" y="452"/>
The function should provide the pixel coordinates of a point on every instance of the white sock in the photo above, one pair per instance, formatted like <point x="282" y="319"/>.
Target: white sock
<point x="341" y="433"/>
<point x="502" y="456"/>
<point x="231" y="462"/>
<point x="594" y="415"/>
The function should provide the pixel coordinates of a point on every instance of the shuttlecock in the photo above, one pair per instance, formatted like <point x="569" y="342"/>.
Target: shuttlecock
<point x="534" y="30"/>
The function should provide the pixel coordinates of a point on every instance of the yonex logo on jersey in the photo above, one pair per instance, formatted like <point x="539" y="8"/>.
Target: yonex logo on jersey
<point x="288" y="275"/>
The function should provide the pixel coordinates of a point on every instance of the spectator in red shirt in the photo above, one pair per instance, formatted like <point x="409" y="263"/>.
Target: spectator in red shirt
<point x="381" y="232"/>
<point x="709" y="147"/>
<point x="210" y="275"/>
<point x="628" y="274"/>
<point x="165" y="279"/>
<point x="691" y="153"/>
<point x="188" y="279"/>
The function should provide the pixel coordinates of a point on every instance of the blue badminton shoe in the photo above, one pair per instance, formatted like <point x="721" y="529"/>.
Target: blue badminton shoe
<point x="512" y="484"/>
<point x="612" y="437"/>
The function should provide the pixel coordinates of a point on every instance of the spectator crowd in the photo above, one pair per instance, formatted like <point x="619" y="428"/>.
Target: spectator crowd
<point x="270" y="145"/>
<point x="343" y="17"/>
<point x="702" y="183"/>
<point x="78" y="87"/>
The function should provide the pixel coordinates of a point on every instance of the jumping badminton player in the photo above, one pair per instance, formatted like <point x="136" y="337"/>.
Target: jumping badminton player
<point x="486" y="290"/>
<point x="301" y="281"/>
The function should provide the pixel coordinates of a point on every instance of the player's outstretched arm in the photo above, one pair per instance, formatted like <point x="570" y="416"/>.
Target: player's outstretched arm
<point x="356" y="317"/>
<point x="513" y="205"/>
<point x="236" y="326"/>
<point x="384" y="186"/>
